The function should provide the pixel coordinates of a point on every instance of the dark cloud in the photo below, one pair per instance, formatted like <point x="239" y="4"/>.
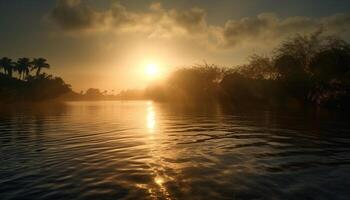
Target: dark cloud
<point x="120" y="16"/>
<point x="340" y="23"/>
<point x="193" y="20"/>
<point x="159" y="22"/>
<point x="73" y="15"/>
<point x="234" y="31"/>
<point x="268" y="26"/>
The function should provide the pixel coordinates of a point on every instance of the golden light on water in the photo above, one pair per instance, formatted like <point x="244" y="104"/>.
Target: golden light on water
<point x="159" y="181"/>
<point x="158" y="187"/>
<point x="151" y="120"/>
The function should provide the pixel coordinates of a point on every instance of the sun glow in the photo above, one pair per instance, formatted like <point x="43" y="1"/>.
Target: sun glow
<point x="152" y="70"/>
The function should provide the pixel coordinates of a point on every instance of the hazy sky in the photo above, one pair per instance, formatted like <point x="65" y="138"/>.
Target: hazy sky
<point x="106" y="44"/>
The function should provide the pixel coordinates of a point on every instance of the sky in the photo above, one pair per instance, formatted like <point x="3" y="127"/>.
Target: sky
<point x="107" y="44"/>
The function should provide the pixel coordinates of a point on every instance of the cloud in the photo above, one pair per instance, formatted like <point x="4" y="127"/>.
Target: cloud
<point x="158" y="22"/>
<point x="193" y="20"/>
<point x="119" y="16"/>
<point x="73" y="15"/>
<point x="268" y="27"/>
<point x="338" y="23"/>
<point x="235" y="31"/>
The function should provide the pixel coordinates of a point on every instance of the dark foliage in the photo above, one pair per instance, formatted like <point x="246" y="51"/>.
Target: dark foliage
<point x="310" y="69"/>
<point x="26" y="87"/>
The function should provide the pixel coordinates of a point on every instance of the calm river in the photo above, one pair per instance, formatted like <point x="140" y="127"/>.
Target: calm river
<point x="147" y="150"/>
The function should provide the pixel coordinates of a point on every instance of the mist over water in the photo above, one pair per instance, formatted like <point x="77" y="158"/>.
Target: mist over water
<point x="147" y="150"/>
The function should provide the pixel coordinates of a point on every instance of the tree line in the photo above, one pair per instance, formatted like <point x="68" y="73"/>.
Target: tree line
<point x="304" y="69"/>
<point x="18" y="84"/>
<point x="23" y="66"/>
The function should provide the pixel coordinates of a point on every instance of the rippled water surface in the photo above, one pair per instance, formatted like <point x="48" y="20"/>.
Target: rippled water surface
<point x="145" y="150"/>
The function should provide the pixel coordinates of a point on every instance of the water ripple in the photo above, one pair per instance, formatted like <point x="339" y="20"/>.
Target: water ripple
<point x="145" y="150"/>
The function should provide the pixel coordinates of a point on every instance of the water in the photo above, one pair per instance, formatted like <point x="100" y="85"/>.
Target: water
<point x="145" y="150"/>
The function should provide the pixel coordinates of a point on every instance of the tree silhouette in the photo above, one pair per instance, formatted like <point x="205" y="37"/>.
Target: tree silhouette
<point x="195" y="82"/>
<point x="39" y="64"/>
<point x="1" y="65"/>
<point x="301" y="48"/>
<point x="23" y="67"/>
<point x="93" y="93"/>
<point x="332" y="63"/>
<point x="302" y="70"/>
<point x="29" y="88"/>
<point x="289" y="67"/>
<point x="7" y="65"/>
<point x="259" y="67"/>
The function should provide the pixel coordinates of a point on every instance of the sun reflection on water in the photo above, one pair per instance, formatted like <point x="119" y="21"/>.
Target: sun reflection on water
<point x="159" y="181"/>
<point x="151" y="119"/>
<point x="158" y="187"/>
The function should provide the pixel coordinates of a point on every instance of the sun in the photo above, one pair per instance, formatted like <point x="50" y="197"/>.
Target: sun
<point x="152" y="70"/>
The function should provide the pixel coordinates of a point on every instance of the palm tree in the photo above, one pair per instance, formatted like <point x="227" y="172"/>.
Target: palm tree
<point x="7" y="65"/>
<point x="23" y="67"/>
<point x="38" y="64"/>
